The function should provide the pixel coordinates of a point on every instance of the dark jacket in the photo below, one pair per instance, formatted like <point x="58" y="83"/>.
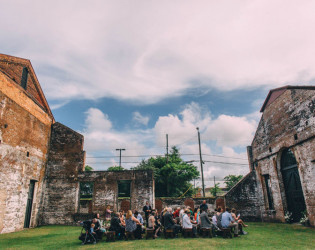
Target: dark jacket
<point x="203" y="207"/>
<point x="168" y="220"/>
<point x="145" y="208"/>
<point x="205" y="221"/>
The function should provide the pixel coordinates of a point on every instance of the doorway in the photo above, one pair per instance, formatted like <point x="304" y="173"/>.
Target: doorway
<point x="292" y="185"/>
<point x="28" y="213"/>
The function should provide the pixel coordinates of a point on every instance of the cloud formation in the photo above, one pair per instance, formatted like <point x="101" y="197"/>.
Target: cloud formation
<point x="140" y="119"/>
<point x="145" y="51"/>
<point x="230" y="131"/>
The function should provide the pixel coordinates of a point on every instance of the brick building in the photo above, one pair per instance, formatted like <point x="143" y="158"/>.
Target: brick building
<point x="282" y="159"/>
<point x="42" y="178"/>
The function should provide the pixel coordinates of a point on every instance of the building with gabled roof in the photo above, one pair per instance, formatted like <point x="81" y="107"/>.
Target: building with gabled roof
<point x="42" y="177"/>
<point x="282" y="159"/>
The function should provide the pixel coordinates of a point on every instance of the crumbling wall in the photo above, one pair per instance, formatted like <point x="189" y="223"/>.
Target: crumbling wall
<point x="24" y="141"/>
<point x="106" y="188"/>
<point x="288" y="122"/>
<point x="65" y="161"/>
<point x="244" y="198"/>
<point x="174" y="202"/>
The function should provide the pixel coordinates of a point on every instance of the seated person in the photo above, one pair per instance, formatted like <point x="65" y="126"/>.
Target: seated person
<point x="169" y="222"/>
<point x="176" y="213"/>
<point x="228" y="222"/>
<point x="204" y="220"/>
<point x="237" y="218"/>
<point x="158" y="224"/>
<point x="115" y="225"/>
<point x="97" y="216"/>
<point x="188" y="224"/>
<point x="140" y="219"/>
<point x="152" y="225"/>
<point x="131" y="225"/>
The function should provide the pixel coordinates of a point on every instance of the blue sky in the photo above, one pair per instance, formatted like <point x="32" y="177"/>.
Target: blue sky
<point x="125" y="73"/>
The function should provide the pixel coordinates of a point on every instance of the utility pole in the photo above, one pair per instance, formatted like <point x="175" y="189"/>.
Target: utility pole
<point x="201" y="162"/>
<point x="120" y="149"/>
<point x="215" y="190"/>
<point x="166" y="148"/>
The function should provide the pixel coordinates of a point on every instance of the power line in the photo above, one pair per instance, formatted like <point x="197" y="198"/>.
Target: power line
<point x="138" y="156"/>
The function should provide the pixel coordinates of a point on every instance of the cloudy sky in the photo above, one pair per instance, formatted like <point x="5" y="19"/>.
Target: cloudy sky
<point x="126" y="73"/>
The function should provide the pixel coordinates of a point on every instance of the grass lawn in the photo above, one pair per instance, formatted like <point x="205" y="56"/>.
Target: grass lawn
<point x="260" y="236"/>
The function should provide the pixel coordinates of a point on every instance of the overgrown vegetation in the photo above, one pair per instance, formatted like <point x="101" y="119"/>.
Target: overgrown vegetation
<point x="231" y="180"/>
<point x="115" y="168"/>
<point x="88" y="168"/>
<point x="172" y="175"/>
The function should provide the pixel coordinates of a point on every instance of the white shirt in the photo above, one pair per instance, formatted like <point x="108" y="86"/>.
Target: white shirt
<point x="181" y="213"/>
<point x="186" y="222"/>
<point x="214" y="220"/>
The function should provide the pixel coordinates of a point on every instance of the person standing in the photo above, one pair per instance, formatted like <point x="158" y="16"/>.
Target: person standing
<point x="204" y="206"/>
<point x="147" y="211"/>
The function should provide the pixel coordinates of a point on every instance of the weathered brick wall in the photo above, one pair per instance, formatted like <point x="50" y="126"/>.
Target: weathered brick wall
<point x="65" y="161"/>
<point x="288" y="122"/>
<point x="24" y="141"/>
<point x="179" y="202"/>
<point x="244" y="198"/>
<point x="65" y="172"/>
<point x="13" y="67"/>
<point x="106" y="188"/>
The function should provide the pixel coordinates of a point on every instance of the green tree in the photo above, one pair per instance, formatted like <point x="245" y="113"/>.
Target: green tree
<point x="172" y="175"/>
<point x="88" y="168"/>
<point x="231" y="180"/>
<point x="215" y="190"/>
<point x="115" y="168"/>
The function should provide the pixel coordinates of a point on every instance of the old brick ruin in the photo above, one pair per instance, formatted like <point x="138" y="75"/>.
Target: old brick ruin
<point x="42" y="178"/>
<point x="282" y="159"/>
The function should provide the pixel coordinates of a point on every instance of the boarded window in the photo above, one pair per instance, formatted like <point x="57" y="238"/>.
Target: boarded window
<point x="268" y="191"/>
<point x="124" y="189"/>
<point x="24" y="78"/>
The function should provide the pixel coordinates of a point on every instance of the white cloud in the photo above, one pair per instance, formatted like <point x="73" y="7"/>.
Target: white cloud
<point x="140" y="119"/>
<point x="146" y="51"/>
<point x="226" y="132"/>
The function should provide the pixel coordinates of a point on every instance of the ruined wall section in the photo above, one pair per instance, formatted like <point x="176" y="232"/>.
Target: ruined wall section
<point x="65" y="161"/>
<point x="24" y="144"/>
<point x="288" y="122"/>
<point x="106" y="188"/>
<point x="244" y="197"/>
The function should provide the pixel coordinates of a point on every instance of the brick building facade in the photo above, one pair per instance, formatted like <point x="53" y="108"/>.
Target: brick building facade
<point x="42" y="174"/>
<point x="282" y="159"/>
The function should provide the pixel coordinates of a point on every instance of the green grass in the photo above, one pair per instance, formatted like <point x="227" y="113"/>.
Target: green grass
<point x="260" y="236"/>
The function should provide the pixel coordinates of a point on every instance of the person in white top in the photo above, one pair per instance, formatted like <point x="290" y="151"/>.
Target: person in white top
<point x="187" y="223"/>
<point x="181" y="213"/>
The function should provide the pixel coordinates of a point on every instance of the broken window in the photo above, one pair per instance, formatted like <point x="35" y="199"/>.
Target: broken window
<point x="124" y="189"/>
<point x="268" y="191"/>
<point x="86" y="197"/>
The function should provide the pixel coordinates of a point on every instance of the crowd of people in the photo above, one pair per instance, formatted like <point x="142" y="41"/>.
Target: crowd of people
<point x="178" y="220"/>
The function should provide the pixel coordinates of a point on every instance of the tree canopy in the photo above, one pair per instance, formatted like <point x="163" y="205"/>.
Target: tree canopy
<point x="88" y="168"/>
<point x="231" y="180"/>
<point x="115" y="168"/>
<point x="172" y="174"/>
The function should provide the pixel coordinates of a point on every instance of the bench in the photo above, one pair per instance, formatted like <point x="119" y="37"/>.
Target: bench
<point x="149" y="233"/>
<point x="227" y="233"/>
<point x="187" y="232"/>
<point x="130" y="236"/>
<point x="206" y="232"/>
<point x="168" y="233"/>
<point x="110" y="236"/>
